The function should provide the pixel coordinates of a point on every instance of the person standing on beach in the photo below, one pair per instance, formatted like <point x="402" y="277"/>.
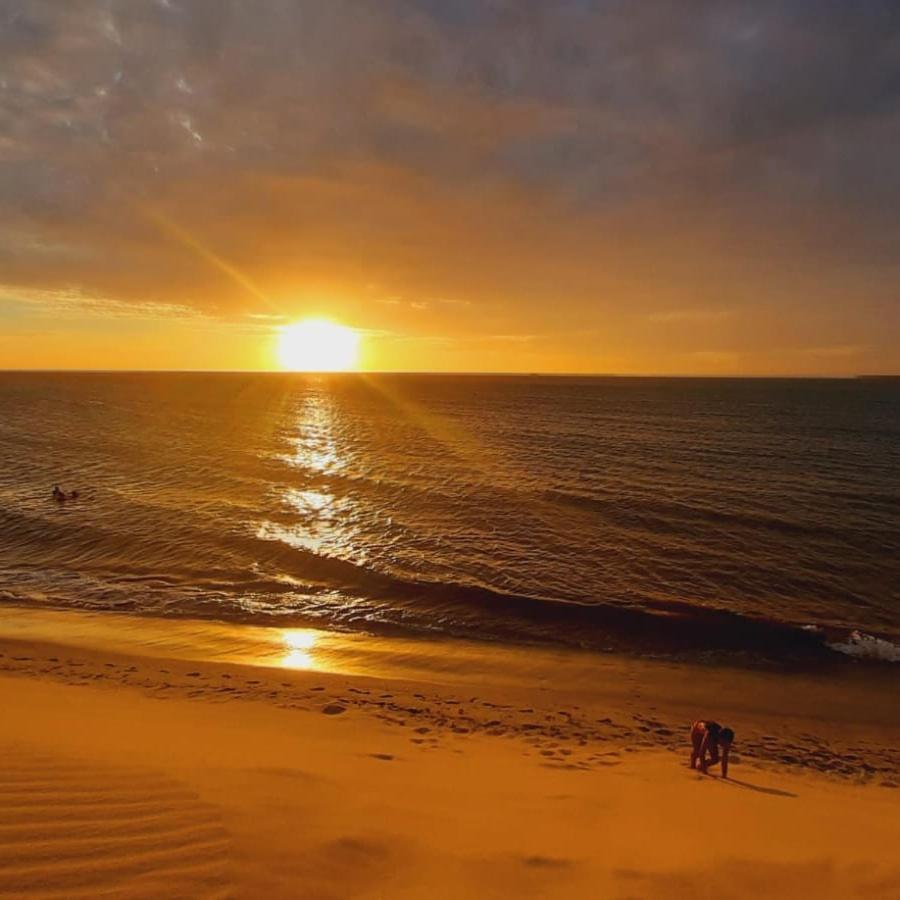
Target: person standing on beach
<point x="706" y="738"/>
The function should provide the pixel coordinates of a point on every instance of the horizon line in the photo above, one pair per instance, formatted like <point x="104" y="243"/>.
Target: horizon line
<point x="466" y="372"/>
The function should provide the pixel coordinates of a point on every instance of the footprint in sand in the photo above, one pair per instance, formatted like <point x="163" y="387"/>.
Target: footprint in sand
<point x="76" y="829"/>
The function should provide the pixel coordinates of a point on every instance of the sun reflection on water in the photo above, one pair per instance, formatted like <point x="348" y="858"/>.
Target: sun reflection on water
<point x="315" y="448"/>
<point x="309" y="502"/>
<point x="298" y="642"/>
<point x="310" y="516"/>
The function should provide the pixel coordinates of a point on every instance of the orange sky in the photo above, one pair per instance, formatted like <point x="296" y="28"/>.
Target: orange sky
<point x="571" y="187"/>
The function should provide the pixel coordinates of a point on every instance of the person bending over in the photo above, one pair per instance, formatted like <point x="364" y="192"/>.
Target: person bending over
<point x="707" y="738"/>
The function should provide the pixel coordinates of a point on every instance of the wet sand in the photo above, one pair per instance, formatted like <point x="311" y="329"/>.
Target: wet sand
<point x="141" y="762"/>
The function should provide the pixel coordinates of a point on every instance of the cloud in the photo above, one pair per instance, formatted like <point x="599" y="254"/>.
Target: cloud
<point x="689" y="315"/>
<point x="595" y="162"/>
<point x="837" y="351"/>
<point x="74" y="303"/>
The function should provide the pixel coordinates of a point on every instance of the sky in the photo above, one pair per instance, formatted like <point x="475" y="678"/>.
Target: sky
<point x="610" y="186"/>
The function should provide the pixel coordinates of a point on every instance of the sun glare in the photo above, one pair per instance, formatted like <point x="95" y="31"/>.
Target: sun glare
<point x="298" y="643"/>
<point x="317" y="345"/>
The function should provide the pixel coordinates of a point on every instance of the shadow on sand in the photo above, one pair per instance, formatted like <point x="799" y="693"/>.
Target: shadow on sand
<point x="775" y="792"/>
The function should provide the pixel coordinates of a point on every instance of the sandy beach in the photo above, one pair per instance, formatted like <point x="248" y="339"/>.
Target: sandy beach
<point x="428" y="428"/>
<point x="133" y="771"/>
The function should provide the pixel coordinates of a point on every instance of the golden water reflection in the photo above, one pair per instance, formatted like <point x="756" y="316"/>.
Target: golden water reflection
<point x="298" y="645"/>
<point x="309" y="502"/>
<point x="315" y="446"/>
<point x="321" y="522"/>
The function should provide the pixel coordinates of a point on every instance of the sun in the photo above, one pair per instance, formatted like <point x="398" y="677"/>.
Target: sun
<point x="317" y="345"/>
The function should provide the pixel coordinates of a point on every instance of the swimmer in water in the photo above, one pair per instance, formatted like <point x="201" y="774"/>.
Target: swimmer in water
<point x="707" y="737"/>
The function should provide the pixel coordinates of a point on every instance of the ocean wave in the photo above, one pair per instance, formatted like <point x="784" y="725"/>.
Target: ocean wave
<point x="262" y="576"/>
<point x="867" y="647"/>
<point x="690" y="518"/>
<point x="655" y="516"/>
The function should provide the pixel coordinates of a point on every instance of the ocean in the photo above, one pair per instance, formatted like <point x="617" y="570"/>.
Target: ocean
<point x="707" y="518"/>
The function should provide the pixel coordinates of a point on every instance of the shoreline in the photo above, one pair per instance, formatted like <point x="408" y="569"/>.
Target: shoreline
<point x="460" y="771"/>
<point x="852" y="695"/>
<point x="251" y="642"/>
